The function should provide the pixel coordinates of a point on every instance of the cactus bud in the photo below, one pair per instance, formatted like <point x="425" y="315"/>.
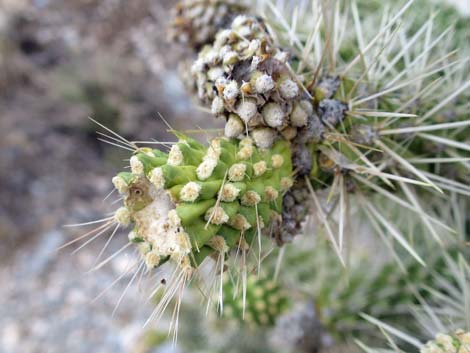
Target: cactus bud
<point x="271" y="193"/>
<point x="264" y="84"/>
<point x="260" y="168"/>
<point x="175" y="156"/>
<point x="273" y="114"/>
<point x="231" y="91"/>
<point x="216" y="215"/>
<point x="152" y="259"/>
<point x="264" y="137"/>
<point x="286" y="183"/>
<point x="234" y="126"/>
<point x="245" y="153"/>
<point x="288" y="89"/>
<point x="123" y="216"/>
<point x="251" y="198"/>
<point x="299" y="117"/>
<point x="217" y="106"/>
<point x="277" y="161"/>
<point x="206" y="168"/>
<point x="157" y="178"/>
<point x="246" y="109"/>
<point x="190" y="192"/>
<point x="120" y="185"/>
<point x="229" y="192"/>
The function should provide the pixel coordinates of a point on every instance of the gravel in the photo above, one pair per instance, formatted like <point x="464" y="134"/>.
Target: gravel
<point x="46" y="301"/>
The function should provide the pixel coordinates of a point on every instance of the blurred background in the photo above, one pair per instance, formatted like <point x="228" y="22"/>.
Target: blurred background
<point x="61" y="62"/>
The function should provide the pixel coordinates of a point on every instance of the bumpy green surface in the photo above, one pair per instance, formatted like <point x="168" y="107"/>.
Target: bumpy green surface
<point x="265" y="300"/>
<point x="230" y="189"/>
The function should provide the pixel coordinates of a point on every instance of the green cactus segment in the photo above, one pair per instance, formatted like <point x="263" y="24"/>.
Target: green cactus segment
<point x="190" y="212"/>
<point x="207" y="191"/>
<point x="126" y="177"/>
<point x="150" y="161"/>
<point x="177" y="175"/>
<point x="200" y="233"/>
<point x="181" y="200"/>
<point x="265" y="302"/>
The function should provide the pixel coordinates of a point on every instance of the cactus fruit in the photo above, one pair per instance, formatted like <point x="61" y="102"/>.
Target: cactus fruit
<point x="457" y="342"/>
<point x="245" y="79"/>
<point x="263" y="303"/>
<point x="194" y="201"/>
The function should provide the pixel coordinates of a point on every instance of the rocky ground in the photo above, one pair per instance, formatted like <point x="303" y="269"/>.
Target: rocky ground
<point x="61" y="62"/>
<point x="47" y="302"/>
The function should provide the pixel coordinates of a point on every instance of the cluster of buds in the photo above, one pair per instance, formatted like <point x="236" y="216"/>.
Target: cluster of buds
<point x="197" y="21"/>
<point x="459" y="342"/>
<point x="197" y="200"/>
<point x="264" y="302"/>
<point x="245" y="79"/>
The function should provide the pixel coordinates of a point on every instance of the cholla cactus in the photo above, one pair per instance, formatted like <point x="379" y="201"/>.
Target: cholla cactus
<point x="195" y="201"/>
<point x="341" y="131"/>
<point x="313" y="130"/>
<point x="439" y="301"/>
<point x="203" y="197"/>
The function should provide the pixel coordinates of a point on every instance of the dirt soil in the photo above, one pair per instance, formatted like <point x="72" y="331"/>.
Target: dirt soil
<point x="61" y="62"/>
